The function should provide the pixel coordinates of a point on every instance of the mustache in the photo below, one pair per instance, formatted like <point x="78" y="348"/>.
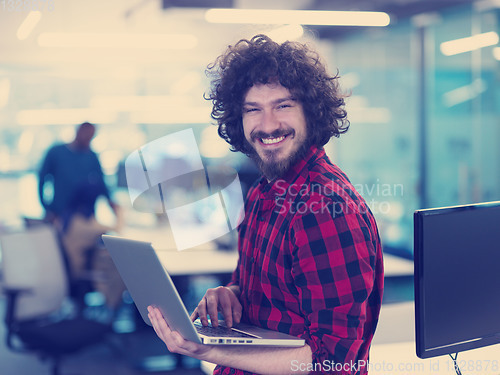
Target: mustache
<point x="254" y="135"/>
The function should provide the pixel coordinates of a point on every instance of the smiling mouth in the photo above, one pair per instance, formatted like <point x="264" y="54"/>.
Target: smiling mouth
<point x="270" y="141"/>
<point x="273" y="140"/>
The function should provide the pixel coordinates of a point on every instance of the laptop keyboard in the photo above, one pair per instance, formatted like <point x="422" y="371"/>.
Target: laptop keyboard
<point x="218" y="331"/>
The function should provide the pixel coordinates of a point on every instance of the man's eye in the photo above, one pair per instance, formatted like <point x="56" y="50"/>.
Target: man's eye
<point x="285" y="105"/>
<point x="248" y="110"/>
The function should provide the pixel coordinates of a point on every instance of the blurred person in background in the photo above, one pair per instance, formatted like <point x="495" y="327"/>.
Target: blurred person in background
<point x="70" y="168"/>
<point x="77" y="180"/>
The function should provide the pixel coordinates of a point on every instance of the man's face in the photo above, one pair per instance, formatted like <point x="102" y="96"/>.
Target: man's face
<point x="275" y="127"/>
<point x="84" y="137"/>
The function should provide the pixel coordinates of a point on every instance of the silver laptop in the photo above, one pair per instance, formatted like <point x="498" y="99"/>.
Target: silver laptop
<point x="150" y="284"/>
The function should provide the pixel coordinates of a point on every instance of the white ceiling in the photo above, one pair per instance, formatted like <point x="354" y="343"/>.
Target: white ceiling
<point x="109" y="66"/>
<point x="115" y="16"/>
<point x="55" y="77"/>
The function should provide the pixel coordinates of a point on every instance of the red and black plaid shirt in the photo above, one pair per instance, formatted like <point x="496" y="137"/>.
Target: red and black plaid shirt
<point x="310" y="263"/>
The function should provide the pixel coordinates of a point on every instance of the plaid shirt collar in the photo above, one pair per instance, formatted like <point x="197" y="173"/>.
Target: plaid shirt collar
<point x="270" y="189"/>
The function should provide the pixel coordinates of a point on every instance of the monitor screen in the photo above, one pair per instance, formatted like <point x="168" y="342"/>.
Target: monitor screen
<point x="457" y="278"/>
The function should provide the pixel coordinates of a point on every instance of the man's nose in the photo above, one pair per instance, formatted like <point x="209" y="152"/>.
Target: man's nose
<point x="270" y="122"/>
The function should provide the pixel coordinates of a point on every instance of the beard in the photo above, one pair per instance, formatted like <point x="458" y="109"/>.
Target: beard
<point x="273" y="167"/>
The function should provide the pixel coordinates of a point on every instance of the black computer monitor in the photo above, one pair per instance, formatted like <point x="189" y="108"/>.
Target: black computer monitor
<point x="457" y="278"/>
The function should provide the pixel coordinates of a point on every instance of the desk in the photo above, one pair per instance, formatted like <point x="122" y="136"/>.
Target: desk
<point x="393" y="349"/>
<point x="400" y="358"/>
<point x="159" y="235"/>
<point x="203" y="259"/>
<point x="397" y="266"/>
<point x="198" y="262"/>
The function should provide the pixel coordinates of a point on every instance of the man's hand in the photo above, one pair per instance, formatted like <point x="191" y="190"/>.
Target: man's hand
<point x="224" y="299"/>
<point x="174" y="341"/>
<point x="260" y="360"/>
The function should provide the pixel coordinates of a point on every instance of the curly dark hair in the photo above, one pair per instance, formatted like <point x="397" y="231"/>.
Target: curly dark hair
<point x="295" y="66"/>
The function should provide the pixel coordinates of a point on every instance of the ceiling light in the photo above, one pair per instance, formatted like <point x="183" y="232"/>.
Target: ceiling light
<point x="118" y="41"/>
<point x="28" y="25"/>
<point x="371" y="115"/>
<point x="300" y="17"/>
<point x="185" y="115"/>
<point x="464" y="93"/>
<point x="64" y="116"/>
<point x="471" y="43"/>
<point x="138" y="103"/>
<point x="485" y="5"/>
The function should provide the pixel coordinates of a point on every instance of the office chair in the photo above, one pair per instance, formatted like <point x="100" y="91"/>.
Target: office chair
<point x="84" y="282"/>
<point x="36" y="286"/>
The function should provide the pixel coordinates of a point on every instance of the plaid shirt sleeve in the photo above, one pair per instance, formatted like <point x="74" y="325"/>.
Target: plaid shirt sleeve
<point x="334" y="271"/>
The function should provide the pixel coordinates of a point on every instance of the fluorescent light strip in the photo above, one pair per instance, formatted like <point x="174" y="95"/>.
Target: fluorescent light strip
<point x="485" y="5"/>
<point x="28" y="25"/>
<point x="64" y="116"/>
<point x="183" y="114"/>
<point x="186" y="115"/>
<point x="300" y="17"/>
<point x="471" y="43"/>
<point x="138" y="103"/>
<point x="371" y="115"/>
<point x="119" y="41"/>
<point x="464" y="93"/>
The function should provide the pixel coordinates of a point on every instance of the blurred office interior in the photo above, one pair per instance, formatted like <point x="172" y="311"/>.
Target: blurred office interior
<point x="423" y="104"/>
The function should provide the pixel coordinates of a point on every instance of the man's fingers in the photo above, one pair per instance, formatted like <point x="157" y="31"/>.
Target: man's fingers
<point x="212" y="308"/>
<point x="235" y="308"/>
<point x="159" y="324"/>
<point x="201" y="310"/>
<point x="172" y="339"/>
<point x="225" y="306"/>
<point x="219" y="299"/>
<point x="236" y="316"/>
<point x="154" y="324"/>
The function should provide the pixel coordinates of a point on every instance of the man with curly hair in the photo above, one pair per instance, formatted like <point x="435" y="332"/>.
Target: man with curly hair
<point x="310" y="258"/>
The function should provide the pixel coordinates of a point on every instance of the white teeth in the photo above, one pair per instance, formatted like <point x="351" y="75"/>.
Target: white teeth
<point x="270" y="141"/>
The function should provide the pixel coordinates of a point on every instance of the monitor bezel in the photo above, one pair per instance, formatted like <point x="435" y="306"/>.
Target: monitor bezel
<point x="422" y="351"/>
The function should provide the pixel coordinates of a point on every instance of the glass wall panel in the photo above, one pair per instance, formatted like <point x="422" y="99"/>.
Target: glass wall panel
<point x="463" y="125"/>
<point x="379" y="152"/>
<point x="460" y="117"/>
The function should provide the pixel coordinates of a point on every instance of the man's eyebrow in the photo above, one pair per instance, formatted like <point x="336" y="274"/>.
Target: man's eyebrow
<point x="277" y="101"/>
